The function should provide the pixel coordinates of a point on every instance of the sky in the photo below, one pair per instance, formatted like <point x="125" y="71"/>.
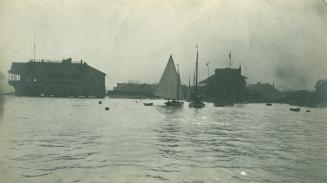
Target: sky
<point x="273" y="40"/>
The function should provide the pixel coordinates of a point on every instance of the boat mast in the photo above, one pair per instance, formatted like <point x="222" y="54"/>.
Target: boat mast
<point x="34" y="46"/>
<point x="189" y="87"/>
<point x="178" y="84"/>
<point x="196" y="70"/>
<point x="230" y="59"/>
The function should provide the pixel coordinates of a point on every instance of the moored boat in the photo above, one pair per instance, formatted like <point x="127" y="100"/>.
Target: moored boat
<point x="170" y="85"/>
<point x="148" y="104"/>
<point x="223" y="103"/>
<point x="295" y="109"/>
<point x="196" y="100"/>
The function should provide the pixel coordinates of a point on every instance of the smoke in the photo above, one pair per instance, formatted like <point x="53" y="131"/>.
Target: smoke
<point x="290" y="38"/>
<point x="277" y="40"/>
<point x="2" y="99"/>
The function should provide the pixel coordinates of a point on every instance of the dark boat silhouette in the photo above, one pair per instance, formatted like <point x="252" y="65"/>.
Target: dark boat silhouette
<point x="223" y="103"/>
<point x="196" y="100"/>
<point x="148" y="104"/>
<point x="295" y="109"/>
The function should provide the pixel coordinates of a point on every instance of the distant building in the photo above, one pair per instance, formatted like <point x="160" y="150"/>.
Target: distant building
<point x="263" y="92"/>
<point x="55" y="78"/>
<point x="135" y="87"/>
<point x="133" y="90"/>
<point x="225" y="84"/>
<point x="321" y="91"/>
<point x="299" y="98"/>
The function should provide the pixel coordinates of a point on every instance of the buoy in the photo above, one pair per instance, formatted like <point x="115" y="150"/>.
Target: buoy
<point x="100" y="102"/>
<point x="308" y="110"/>
<point x="107" y="108"/>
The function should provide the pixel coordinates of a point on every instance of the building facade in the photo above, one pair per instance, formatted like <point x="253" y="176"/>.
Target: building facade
<point x="321" y="92"/>
<point x="225" y="84"/>
<point x="56" y="78"/>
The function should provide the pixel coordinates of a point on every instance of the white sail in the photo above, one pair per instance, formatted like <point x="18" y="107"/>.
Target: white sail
<point x="170" y="84"/>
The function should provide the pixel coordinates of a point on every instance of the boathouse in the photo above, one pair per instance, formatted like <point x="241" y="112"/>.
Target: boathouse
<point x="225" y="84"/>
<point x="56" y="78"/>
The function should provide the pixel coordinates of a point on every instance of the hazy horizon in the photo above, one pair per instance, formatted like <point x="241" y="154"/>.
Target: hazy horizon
<point x="281" y="41"/>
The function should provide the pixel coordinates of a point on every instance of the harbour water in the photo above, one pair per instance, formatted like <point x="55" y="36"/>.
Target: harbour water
<point x="75" y="140"/>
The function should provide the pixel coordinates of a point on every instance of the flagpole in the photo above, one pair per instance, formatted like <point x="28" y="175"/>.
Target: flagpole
<point x="34" y="46"/>
<point x="208" y="68"/>
<point x="230" y="59"/>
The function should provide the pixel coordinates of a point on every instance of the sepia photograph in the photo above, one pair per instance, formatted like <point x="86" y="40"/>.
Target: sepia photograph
<point x="163" y="91"/>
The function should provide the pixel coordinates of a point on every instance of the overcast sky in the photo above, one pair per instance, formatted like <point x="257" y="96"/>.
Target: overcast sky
<point x="280" y="40"/>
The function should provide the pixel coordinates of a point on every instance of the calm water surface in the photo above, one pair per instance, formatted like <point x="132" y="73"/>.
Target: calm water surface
<point x="76" y="140"/>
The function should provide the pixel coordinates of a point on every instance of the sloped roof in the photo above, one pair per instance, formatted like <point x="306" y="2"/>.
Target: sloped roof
<point x="18" y="67"/>
<point x="321" y="83"/>
<point x="231" y="73"/>
<point x="50" y="67"/>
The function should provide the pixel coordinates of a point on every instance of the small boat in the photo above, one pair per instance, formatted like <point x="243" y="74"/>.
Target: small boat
<point x="307" y="110"/>
<point x="174" y="103"/>
<point x="106" y="108"/>
<point x="169" y="86"/>
<point x="196" y="104"/>
<point x="223" y="103"/>
<point x="268" y="104"/>
<point x="100" y="102"/>
<point x="196" y="100"/>
<point x="148" y="104"/>
<point x="296" y="109"/>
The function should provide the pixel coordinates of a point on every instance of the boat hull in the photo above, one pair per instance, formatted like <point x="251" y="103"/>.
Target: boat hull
<point x="174" y="103"/>
<point x="196" y="104"/>
<point x="295" y="109"/>
<point x="148" y="104"/>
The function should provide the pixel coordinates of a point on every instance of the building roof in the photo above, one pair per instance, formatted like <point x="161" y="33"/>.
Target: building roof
<point x="18" y="67"/>
<point x="66" y="66"/>
<point x="320" y="83"/>
<point x="222" y="72"/>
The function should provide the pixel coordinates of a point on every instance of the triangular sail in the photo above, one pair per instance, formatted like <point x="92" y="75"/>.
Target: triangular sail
<point x="170" y="85"/>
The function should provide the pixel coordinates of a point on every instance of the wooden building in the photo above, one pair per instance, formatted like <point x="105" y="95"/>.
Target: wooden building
<point x="225" y="84"/>
<point x="321" y="92"/>
<point x="56" y="78"/>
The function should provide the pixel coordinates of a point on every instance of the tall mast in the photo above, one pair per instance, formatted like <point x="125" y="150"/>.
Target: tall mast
<point x="34" y="46"/>
<point x="189" y="87"/>
<point x="196" y="70"/>
<point x="230" y="59"/>
<point x="178" y="84"/>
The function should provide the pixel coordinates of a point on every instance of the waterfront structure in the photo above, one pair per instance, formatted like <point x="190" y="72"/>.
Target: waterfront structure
<point x="225" y="84"/>
<point x="321" y="92"/>
<point x="299" y="98"/>
<point x="134" y="90"/>
<point x="260" y="92"/>
<point x="56" y="78"/>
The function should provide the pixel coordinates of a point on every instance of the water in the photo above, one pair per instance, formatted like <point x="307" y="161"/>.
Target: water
<point x="76" y="140"/>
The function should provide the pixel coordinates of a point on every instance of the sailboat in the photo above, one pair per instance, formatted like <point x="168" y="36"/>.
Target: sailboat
<point x="170" y="85"/>
<point x="196" y="101"/>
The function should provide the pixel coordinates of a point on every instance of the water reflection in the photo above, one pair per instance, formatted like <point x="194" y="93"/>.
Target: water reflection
<point x="79" y="141"/>
<point x="44" y="152"/>
<point x="168" y="131"/>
